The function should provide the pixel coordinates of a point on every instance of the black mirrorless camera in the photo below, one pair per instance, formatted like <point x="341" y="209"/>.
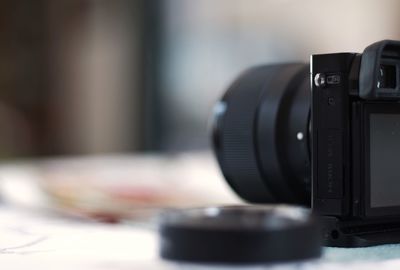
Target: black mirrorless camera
<point x="332" y="144"/>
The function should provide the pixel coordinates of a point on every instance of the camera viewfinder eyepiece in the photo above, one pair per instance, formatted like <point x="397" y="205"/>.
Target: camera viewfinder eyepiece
<point x="380" y="71"/>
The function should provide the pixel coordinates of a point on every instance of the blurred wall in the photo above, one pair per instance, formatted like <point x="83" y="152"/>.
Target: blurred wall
<point x="95" y="82"/>
<point x="23" y="81"/>
<point x="70" y="77"/>
<point x="99" y="76"/>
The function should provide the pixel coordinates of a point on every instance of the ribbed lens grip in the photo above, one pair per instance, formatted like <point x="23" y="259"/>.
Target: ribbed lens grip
<point x="237" y="152"/>
<point x="255" y="129"/>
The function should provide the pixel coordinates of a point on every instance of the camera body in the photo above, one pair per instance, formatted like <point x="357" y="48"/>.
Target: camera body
<point x="355" y="144"/>
<point x="332" y="144"/>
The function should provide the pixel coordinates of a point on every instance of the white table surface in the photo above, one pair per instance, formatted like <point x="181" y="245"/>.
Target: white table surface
<point x="32" y="237"/>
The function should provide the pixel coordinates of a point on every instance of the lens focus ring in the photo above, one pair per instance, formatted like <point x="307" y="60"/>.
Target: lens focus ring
<point x="245" y="133"/>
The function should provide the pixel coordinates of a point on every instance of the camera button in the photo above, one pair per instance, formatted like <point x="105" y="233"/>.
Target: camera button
<point x="320" y="80"/>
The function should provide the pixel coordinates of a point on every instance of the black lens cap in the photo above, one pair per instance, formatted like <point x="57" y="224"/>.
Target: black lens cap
<point x="240" y="234"/>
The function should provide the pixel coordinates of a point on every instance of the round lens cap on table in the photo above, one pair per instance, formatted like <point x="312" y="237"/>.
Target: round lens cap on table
<point x="239" y="234"/>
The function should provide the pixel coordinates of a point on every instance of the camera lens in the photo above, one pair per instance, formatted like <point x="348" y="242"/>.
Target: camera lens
<point x="261" y="134"/>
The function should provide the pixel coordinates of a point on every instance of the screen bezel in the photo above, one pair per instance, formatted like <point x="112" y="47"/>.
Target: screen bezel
<point x="375" y="108"/>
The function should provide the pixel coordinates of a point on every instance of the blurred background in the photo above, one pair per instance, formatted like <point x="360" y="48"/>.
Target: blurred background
<point x="97" y="76"/>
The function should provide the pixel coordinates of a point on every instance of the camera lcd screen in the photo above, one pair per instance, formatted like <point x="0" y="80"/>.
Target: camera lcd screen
<point x="384" y="160"/>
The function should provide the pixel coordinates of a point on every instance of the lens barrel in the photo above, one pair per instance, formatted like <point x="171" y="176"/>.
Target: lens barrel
<point x="261" y="134"/>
